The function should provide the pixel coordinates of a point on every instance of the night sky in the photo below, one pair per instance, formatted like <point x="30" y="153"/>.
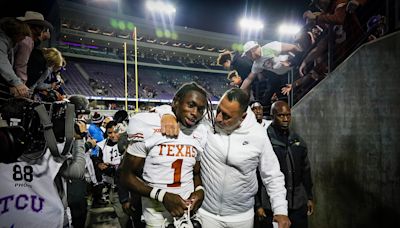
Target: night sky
<point x="223" y="16"/>
<point x="211" y="15"/>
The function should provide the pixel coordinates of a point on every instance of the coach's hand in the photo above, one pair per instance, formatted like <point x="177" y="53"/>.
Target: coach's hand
<point x="282" y="220"/>
<point x="196" y="199"/>
<point x="169" y="126"/>
<point x="174" y="204"/>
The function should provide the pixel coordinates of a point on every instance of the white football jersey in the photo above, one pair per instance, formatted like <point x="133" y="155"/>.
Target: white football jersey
<point x="143" y="125"/>
<point x="28" y="196"/>
<point x="169" y="161"/>
<point x="111" y="154"/>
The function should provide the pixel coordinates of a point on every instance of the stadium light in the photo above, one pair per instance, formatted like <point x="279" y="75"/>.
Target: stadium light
<point x="161" y="7"/>
<point x="251" y="24"/>
<point x="288" y="29"/>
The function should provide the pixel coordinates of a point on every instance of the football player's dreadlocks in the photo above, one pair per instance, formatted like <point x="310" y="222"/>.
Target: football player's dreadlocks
<point x="193" y="86"/>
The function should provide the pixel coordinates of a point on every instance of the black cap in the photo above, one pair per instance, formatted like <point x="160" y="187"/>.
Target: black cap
<point x="81" y="104"/>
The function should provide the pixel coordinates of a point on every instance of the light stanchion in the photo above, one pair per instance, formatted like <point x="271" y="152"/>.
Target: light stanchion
<point x="136" y="69"/>
<point x="126" y="78"/>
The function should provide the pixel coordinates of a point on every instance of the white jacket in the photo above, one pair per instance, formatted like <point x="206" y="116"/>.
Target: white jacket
<point x="228" y="170"/>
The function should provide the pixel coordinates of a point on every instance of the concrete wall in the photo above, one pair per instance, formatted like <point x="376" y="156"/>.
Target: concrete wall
<point x="351" y="122"/>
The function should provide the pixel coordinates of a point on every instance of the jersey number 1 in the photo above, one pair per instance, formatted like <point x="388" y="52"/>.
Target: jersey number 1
<point x="177" y="166"/>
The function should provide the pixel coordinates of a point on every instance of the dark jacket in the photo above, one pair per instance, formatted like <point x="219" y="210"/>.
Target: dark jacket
<point x="291" y="152"/>
<point x="37" y="66"/>
<point x="242" y="64"/>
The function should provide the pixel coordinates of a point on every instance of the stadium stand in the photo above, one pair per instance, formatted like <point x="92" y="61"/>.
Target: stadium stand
<point x="107" y="79"/>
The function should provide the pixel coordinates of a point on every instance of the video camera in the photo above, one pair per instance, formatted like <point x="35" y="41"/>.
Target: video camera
<point x="34" y="126"/>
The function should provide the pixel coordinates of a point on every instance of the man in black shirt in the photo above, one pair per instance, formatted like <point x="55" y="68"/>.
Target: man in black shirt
<point x="292" y="155"/>
<point x="235" y="61"/>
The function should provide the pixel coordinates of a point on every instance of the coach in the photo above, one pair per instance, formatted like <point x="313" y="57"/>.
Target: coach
<point x="233" y="152"/>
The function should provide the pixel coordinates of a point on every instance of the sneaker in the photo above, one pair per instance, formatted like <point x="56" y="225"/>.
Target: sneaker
<point x="195" y="221"/>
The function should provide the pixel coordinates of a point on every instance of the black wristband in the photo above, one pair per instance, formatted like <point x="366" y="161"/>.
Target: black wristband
<point x="157" y="193"/>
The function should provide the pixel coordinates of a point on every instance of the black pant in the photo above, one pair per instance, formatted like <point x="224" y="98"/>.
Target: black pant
<point x="77" y="202"/>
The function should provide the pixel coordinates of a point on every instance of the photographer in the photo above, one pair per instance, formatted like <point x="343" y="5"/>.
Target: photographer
<point x="77" y="188"/>
<point x="36" y="161"/>
<point x="75" y="170"/>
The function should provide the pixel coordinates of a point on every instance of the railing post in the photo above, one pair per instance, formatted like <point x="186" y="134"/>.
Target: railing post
<point x="290" y="81"/>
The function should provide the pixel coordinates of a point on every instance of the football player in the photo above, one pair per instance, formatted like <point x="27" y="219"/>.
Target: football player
<point x="171" y="166"/>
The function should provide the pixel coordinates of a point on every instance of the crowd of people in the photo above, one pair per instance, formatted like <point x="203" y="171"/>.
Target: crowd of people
<point x="178" y="164"/>
<point x="331" y="33"/>
<point x="27" y="69"/>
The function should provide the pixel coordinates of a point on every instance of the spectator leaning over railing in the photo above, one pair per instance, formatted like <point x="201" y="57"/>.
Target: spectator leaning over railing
<point x="11" y="32"/>
<point x="40" y="30"/>
<point x="346" y="29"/>
<point x="272" y="56"/>
<point x="40" y="68"/>
<point x="234" y="78"/>
<point x="235" y="61"/>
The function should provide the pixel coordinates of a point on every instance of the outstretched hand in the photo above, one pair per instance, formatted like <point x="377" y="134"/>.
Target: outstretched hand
<point x="286" y="90"/>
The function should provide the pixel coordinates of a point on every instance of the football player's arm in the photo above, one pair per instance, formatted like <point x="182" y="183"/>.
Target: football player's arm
<point x="197" y="196"/>
<point x="131" y="164"/>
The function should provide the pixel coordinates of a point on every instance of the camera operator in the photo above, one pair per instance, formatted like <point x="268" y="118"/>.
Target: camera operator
<point x="75" y="172"/>
<point x="34" y="176"/>
<point x="77" y="188"/>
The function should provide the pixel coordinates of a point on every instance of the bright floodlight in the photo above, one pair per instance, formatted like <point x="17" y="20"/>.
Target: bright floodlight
<point x="286" y="29"/>
<point x="251" y="24"/>
<point x="160" y="6"/>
